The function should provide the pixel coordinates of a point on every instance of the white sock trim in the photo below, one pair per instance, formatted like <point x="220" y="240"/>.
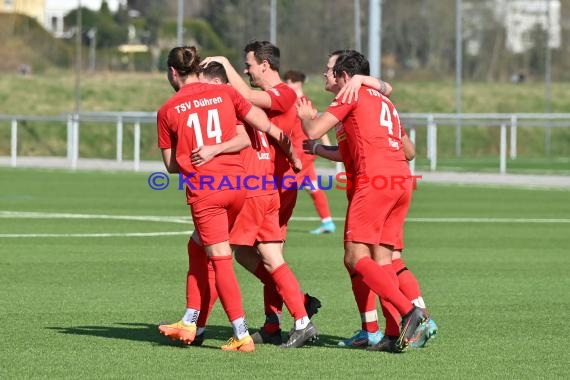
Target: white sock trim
<point x="369" y="316"/>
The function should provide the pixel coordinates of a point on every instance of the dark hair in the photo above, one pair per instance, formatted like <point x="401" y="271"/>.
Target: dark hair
<point x="215" y="70"/>
<point x="185" y="60"/>
<point x="353" y="63"/>
<point x="295" y="76"/>
<point x="264" y="51"/>
<point x="342" y="51"/>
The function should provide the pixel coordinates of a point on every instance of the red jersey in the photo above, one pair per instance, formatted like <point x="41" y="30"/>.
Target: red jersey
<point x="282" y="114"/>
<point x="202" y="114"/>
<point x="258" y="164"/>
<point x="369" y="136"/>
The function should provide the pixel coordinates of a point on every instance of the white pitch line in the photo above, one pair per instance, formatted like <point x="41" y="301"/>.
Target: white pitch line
<point x="49" y="215"/>
<point x="98" y="235"/>
<point x="457" y="220"/>
<point x="188" y="219"/>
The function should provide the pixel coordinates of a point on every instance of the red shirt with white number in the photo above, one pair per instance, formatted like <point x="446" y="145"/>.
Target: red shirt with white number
<point x="202" y="114"/>
<point x="369" y="137"/>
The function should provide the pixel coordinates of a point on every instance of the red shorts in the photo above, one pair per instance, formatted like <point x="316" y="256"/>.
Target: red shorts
<point x="377" y="216"/>
<point x="287" y="201"/>
<point x="257" y="222"/>
<point x="214" y="215"/>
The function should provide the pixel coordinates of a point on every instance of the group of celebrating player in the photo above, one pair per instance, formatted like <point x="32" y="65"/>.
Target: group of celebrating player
<point x="216" y="125"/>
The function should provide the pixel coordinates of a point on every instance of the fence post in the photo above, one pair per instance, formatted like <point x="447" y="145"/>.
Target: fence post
<point x="137" y="152"/>
<point x="120" y="139"/>
<point x="513" y="151"/>
<point x="503" y="150"/>
<point x="413" y="140"/>
<point x="69" y="137"/>
<point x="428" y="137"/>
<point x="75" y="141"/>
<point x="14" y="143"/>
<point x="433" y="144"/>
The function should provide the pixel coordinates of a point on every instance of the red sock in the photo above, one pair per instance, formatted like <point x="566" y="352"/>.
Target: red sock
<point x="321" y="203"/>
<point x="380" y="282"/>
<point x="228" y="286"/>
<point x="392" y="318"/>
<point x="290" y="291"/>
<point x="365" y="301"/>
<point x="408" y="283"/>
<point x="212" y="297"/>
<point x="391" y="315"/>
<point x="197" y="277"/>
<point x="272" y="301"/>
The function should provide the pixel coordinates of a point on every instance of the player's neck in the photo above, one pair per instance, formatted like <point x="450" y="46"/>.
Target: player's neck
<point x="271" y="80"/>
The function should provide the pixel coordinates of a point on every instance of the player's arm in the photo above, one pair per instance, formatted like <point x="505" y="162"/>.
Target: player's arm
<point x="259" y="121"/>
<point x="330" y="152"/>
<point x="350" y="91"/>
<point x="409" y="148"/>
<point x="169" y="159"/>
<point x="256" y="97"/>
<point x="325" y="140"/>
<point x="317" y="127"/>
<point x="205" y="153"/>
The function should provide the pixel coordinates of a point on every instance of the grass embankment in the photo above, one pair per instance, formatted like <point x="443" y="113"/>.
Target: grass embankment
<point x="53" y="94"/>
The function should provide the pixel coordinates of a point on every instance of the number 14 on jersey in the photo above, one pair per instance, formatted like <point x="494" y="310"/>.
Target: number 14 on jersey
<point x="213" y="128"/>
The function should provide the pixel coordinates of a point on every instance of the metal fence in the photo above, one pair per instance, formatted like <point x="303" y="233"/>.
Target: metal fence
<point x="506" y="123"/>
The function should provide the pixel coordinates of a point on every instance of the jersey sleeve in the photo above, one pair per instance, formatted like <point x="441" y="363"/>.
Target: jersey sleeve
<point x="166" y="137"/>
<point x="340" y="110"/>
<point x="282" y="98"/>
<point x="241" y="105"/>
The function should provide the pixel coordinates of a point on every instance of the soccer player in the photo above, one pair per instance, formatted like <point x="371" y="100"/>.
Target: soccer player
<point x="368" y="132"/>
<point x="295" y="80"/>
<point x="199" y="114"/>
<point x="370" y="334"/>
<point x="257" y="224"/>
<point x="278" y="101"/>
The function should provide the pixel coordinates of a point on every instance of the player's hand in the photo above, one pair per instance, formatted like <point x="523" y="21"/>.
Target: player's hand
<point x="203" y="154"/>
<point x="305" y="109"/>
<point x="296" y="165"/>
<point x="309" y="146"/>
<point x="219" y="59"/>
<point x="350" y="90"/>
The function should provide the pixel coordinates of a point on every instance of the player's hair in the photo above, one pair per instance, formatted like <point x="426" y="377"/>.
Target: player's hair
<point x="295" y="76"/>
<point x="185" y="60"/>
<point x="352" y="63"/>
<point x="264" y="51"/>
<point x="342" y="51"/>
<point x="215" y="70"/>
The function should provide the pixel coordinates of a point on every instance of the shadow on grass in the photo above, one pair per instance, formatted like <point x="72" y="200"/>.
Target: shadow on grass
<point x="140" y="332"/>
<point x="148" y="332"/>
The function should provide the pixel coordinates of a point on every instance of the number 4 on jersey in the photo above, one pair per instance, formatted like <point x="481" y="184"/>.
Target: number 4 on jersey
<point x="386" y="121"/>
<point x="213" y="129"/>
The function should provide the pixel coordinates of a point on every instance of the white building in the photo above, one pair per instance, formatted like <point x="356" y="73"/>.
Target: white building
<point x="519" y="17"/>
<point x="55" y="11"/>
<point x="522" y="16"/>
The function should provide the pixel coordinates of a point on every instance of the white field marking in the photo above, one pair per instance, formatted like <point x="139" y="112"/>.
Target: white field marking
<point x="126" y="234"/>
<point x="50" y="215"/>
<point x="457" y="220"/>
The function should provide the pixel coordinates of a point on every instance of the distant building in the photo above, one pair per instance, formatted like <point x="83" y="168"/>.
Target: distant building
<point x="31" y="8"/>
<point x="55" y="11"/>
<point x="522" y="16"/>
<point x="50" y="13"/>
<point x="518" y="17"/>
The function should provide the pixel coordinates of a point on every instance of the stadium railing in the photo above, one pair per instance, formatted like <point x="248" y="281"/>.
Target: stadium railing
<point x="507" y="124"/>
